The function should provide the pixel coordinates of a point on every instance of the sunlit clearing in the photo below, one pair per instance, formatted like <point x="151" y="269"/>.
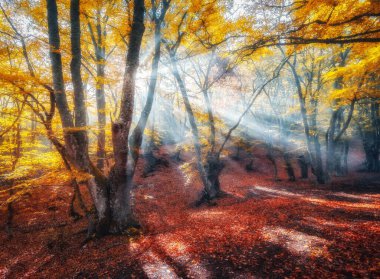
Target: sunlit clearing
<point x="342" y="204"/>
<point x="156" y="268"/>
<point x="209" y="214"/>
<point x="259" y="190"/>
<point x="297" y="242"/>
<point x="178" y="251"/>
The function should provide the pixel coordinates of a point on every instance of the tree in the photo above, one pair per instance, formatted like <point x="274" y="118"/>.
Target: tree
<point x="111" y="196"/>
<point x="210" y="171"/>
<point x="313" y="22"/>
<point x="306" y="93"/>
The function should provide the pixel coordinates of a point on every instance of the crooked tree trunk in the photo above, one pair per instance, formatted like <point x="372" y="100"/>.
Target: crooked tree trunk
<point x="137" y="134"/>
<point x="209" y="191"/>
<point x="98" y="185"/>
<point x="75" y="148"/>
<point x="213" y="166"/>
<point x="313" y="145"/>
<point x="337" y="148"/>
<point x="58" y="82"/>
<point x="121" y="175"/>
<point x="213" y="170"/>
<point x="334" y="127"/>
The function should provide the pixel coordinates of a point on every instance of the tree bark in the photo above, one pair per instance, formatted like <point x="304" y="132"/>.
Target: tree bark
<point x="80" y="111"/>
<point x="209" y="192"/>
<point x="302" y="162"/>
<point x="138" y="132"/>
<point x="121" y="179"/>
<point x="98" y="42"/>
<point x="289" y="167"/>
<point x="16" y="153"/>
<point x="311" y="139"/>
<point x="56" y="65"/>
<point x="75" y="149"/>
<point x="369" y="128"/>
<point x="101" y="108"/>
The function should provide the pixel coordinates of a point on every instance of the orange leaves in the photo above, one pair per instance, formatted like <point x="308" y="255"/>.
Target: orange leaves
<point x="334" y="18"/>
<point x="203" y="23"/>
<point x="357" y="74"/>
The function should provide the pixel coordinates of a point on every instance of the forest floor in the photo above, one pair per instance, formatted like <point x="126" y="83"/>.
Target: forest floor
<point x="262" y="229"/>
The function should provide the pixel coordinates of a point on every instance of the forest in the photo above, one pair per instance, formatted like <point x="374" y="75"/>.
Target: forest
<point x="189" y="139"/>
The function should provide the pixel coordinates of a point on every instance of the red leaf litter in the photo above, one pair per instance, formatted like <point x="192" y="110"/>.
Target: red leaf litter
<point x="261" y="228"/>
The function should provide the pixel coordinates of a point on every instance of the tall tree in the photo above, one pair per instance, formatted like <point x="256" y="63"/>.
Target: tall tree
<point x="111" y="196"/>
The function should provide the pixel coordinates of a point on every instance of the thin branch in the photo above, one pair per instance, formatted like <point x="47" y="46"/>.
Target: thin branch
<point x="258" y="92"/>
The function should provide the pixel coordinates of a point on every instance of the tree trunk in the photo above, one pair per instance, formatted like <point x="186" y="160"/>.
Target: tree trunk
<point x="313" y="146"/>
<point x="318" y="165"/>
<point x="213" y="169"/>
<point x="330" y="144"/>
<point x="209" y="190"/>
<point x="80" y="111"/>
<point x="302" y="162"/>
<point x="101" y="109"/>
<point x="16" y="153"/>
<point x="211" y="121"/>
<point x="289" y="167"/>
<point x="76" y="142"/>
<point x="341" y="154"/>
<point x="121" y="175"/>
<point x="56" y="66"/>
<point x="98" y="42"/>
<point x="371" y="148"/>
<point x="334" y="147"/>
<point x="271" y="157"/>
<point x="137" y="134"/>
<point x="373" y="138"/>
<point x="100" y="57"/>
